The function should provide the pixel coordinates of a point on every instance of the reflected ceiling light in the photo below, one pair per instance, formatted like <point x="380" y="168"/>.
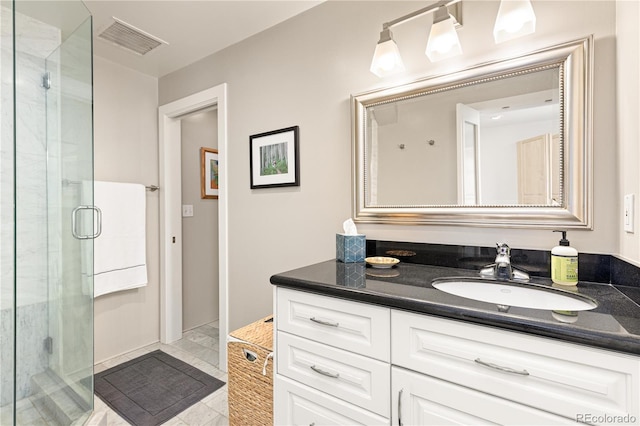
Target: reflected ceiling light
<point x="386" y="58"/>
<point x="443" y="40"/>
<point x="515" y="19"/>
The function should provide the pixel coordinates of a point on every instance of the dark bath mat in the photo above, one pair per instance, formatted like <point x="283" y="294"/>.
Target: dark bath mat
<point x="151" y="389"/>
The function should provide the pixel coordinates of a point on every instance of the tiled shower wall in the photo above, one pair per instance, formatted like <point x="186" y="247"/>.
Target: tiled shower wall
<point x="34" y="42"/>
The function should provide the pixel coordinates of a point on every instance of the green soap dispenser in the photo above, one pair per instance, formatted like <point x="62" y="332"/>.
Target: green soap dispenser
<point x="564" y="263"/>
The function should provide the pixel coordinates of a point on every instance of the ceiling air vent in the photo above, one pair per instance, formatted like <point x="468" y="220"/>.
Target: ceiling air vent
<point x="131" y="38"/>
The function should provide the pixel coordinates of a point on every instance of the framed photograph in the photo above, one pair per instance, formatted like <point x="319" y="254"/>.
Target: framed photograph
<point x="274" y="158"/>
<point x="208" y="173"/>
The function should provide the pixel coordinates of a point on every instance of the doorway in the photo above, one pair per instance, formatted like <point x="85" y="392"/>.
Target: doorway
<point x="171" y="213"/>
<point x="199" y="223"/>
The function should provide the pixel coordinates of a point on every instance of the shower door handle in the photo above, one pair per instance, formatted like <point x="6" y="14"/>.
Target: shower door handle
<point x="74" y="222"/>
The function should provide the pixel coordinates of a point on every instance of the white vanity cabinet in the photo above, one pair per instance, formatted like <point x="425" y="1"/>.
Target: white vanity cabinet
<point x="332" y="361"/>
<point x="345" y="362"/>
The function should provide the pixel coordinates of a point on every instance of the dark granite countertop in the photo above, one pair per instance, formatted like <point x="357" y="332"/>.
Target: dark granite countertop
<point x="613" y="325"/>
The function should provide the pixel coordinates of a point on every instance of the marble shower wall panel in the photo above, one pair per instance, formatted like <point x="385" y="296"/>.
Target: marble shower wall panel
<point x="35" y="38"/>
<point x="31" y="181"/>
<point x="6" y="165"/>
<point x="34" y="42"/>
<point x="6" y="357"/>
<point x="6" y="214"/>
<point x="54" y="186"/>
<point x="30" y="347"/>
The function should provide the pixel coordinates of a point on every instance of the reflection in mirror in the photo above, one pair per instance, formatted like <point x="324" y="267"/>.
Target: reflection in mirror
<point x="506" y="143"/>
<point x="487" y="143"/>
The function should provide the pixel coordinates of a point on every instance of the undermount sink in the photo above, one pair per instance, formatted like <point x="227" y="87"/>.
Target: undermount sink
<point x="523" y="295"/>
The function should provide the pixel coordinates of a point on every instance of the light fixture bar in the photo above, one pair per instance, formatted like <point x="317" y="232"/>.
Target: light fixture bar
<point x="418" y="13"/>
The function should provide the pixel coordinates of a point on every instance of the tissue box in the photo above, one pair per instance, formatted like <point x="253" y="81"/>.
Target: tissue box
<point x="350" y="248"/>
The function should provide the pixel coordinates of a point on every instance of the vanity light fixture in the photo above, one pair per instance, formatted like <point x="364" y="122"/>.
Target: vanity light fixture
<point x="443" y="40"/>
<point x="386" y="58"/>
<point x="515" y="19"/>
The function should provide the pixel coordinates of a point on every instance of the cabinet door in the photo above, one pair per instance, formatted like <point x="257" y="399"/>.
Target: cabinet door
<point x="422" y="400"/>
<point x="296" y="404"/>
<point x="565" y="379"/>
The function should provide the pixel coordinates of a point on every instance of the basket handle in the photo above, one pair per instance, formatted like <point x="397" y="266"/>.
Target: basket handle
<point x="266" y="361"/>
<point x="250" y="356"/>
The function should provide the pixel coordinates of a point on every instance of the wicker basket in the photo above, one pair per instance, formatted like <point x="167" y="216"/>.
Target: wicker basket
<point x="251" y="391"/>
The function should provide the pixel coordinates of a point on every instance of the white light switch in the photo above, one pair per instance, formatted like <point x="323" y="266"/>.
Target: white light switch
<point x="187" y="210"/>
<point x="628" y="212"/>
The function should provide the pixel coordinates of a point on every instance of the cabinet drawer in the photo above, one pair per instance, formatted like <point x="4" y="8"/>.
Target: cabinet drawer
<point x="360" y="380"/>
<point x="561" y="378"/>
<point x="353" y="326"/>
<point x="423" y="400"/>
<point x="301" y="405"/>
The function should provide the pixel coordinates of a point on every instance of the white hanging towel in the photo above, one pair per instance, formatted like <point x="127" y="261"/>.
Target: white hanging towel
<point x="120" y="251"/>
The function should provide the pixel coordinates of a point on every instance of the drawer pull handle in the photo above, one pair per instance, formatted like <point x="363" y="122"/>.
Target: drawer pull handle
<point x="319" y="321"/>
<point x="501" y="368"/>
<point x="325" y="373"/>
<point x="400" y="407"/>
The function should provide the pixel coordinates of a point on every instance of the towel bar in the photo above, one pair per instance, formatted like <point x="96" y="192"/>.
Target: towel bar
<point x="151" y="188"/>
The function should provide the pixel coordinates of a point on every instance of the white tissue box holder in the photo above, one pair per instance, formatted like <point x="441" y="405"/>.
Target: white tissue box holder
<point x="350" y="248"/>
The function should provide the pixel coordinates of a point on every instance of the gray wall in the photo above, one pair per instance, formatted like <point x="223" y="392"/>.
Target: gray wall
<point x="628" y="126"/>
<point x="200" y="232"/>
<point x="126" y="150"/>
<point x="303" y="71"/>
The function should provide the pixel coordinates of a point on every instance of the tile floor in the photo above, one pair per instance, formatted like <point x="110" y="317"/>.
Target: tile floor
<point x="198" y="347"/>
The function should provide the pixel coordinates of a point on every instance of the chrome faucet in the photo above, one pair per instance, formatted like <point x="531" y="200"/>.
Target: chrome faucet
<point x="502" y="268"/>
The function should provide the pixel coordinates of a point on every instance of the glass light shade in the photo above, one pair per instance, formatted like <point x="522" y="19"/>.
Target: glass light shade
<point x="515" y="19"/>
<point x="443" y="40"/>
<point x="386" y="59"/>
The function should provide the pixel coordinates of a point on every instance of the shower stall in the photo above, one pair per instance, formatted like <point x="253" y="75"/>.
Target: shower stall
<point x="46" y="219"/>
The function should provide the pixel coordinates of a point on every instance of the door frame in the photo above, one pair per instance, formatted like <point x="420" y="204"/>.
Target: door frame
<point x="465" y="114"/>
<point x="169" y="126"/>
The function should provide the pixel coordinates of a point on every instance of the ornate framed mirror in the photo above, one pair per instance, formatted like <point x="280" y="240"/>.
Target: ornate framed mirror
<point x="507" y="143"/>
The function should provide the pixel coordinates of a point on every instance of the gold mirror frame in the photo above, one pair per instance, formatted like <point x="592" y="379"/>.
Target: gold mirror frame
<point x="575" y="62"/>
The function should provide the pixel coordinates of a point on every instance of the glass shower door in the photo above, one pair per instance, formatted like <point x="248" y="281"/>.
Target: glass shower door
<point x="69" y="108"/>
<point x="71" y="216"/>
<point x="53" y="187"/>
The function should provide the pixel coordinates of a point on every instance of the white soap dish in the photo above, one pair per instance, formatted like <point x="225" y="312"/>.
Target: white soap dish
<point x="382" y="261"/>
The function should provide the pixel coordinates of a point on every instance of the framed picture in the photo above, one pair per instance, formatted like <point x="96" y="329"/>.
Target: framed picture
<point x="274" y="158"/>
<point x="208" y="173"/>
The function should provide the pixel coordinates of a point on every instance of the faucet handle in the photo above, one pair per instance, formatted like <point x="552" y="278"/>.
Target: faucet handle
<point x="503" y="249"/>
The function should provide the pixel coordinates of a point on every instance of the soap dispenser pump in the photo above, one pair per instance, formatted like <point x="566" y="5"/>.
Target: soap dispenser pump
<point x="564" y="263"/>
